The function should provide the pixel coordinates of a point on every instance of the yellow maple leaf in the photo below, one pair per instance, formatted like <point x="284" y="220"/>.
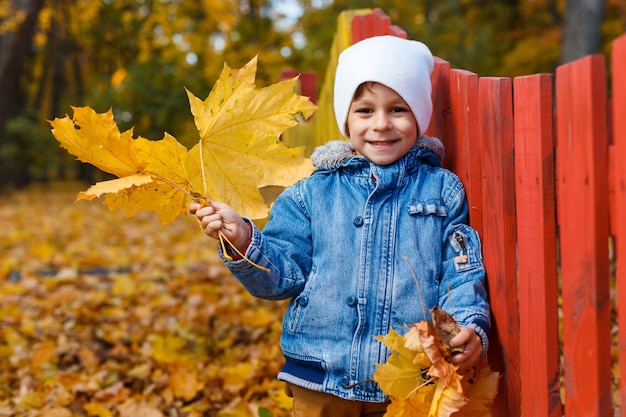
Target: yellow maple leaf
<point x="398" y="376"/>
<point x="165" y="159"/>
<point x="95" y="139"/>
<point x="250" y="137"/>
<point x="239" y="150"/>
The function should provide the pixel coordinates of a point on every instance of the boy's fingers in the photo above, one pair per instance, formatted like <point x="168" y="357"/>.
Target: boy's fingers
<point x="461" y="338"/>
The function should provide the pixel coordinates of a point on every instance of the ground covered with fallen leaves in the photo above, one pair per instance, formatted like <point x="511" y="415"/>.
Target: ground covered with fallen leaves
<point x="106" y="316"/>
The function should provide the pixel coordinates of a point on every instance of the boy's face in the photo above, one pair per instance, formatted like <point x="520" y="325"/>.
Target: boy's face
<point x="380" y="124"/>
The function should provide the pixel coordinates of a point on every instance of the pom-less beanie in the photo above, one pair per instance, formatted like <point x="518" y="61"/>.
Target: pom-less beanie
<point x="400" y="64"/>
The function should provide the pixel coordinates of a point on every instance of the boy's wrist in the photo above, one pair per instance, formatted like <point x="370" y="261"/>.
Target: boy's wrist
<point x="242" y="244"/>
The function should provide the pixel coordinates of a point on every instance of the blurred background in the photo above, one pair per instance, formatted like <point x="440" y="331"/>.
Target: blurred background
<point x="137" y="56"/>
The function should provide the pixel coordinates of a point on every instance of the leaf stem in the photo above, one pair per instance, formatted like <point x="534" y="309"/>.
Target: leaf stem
<point x="419" y="290"/>
<point x="170" y="183"/>
<point x="221" y="235"/>
<point x="204" y="183"/>
<point x="224" y="238"/>
<point x="423" y="384"/>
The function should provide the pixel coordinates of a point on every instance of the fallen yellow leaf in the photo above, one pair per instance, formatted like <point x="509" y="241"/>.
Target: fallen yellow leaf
<point x="184" y="380"/>
<point x="43" y="353"/>
<point x="94" y="408"/>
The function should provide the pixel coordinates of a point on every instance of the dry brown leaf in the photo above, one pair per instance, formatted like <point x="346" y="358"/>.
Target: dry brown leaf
<point x="446" y="328"/>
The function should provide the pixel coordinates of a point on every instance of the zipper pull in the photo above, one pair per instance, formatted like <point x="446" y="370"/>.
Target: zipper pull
<point x="461" y="239"/>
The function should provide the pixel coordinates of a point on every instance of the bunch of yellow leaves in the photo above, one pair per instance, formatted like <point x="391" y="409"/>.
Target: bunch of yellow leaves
<point x="421" y="383"/>
<point x="239" y="150"/>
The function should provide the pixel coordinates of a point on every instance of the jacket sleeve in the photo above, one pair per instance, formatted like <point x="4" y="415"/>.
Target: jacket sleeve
<point x="462" y="290"/>
<point x="284" y="248"/>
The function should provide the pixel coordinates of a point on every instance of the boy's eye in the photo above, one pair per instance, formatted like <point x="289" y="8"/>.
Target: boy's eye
<point x="363" y="110"/>
<point x="398" y="110"/>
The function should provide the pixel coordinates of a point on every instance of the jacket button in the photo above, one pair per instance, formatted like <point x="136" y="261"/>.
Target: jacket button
<point x="358" y="221"/>
<point x="303" y="301"/>
<point x="345" y="381"/>
<point x="351" y="301"/>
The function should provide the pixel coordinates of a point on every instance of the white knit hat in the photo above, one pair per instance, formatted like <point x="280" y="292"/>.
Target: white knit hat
<point x="400" y="64"/>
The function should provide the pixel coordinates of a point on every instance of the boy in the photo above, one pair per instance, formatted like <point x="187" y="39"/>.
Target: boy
<point x="335" y="241"/>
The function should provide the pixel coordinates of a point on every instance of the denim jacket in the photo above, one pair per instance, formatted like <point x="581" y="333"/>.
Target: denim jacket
<point x="335" y="244"/>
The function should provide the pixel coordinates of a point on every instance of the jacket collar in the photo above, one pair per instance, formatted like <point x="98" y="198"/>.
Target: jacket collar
<point x="337" y="153"/>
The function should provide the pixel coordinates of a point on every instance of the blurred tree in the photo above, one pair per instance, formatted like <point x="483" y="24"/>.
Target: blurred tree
<point x="17" y="25"/>
<point x="135" y="56"/>
<point x="581" y="32"/>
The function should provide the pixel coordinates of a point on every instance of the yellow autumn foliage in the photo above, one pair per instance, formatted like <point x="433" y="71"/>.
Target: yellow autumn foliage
<point x="421" y="383"/>
<point x="239" y="150"/>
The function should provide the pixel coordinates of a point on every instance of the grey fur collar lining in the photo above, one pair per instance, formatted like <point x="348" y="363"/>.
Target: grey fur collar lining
<point x="334" y="153"/>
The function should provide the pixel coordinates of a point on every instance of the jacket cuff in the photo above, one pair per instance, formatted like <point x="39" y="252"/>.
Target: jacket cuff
<point x="484" y="337"/>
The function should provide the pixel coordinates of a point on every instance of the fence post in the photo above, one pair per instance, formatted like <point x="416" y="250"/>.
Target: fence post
<point x="536" y="240"/>
<point x="376" y="23"/>
<point x="498" y="173"/>
<point x="463" y="141"/>
<point x="618" y="70"/>
<point x="438" y="126"/>
<point x="582" y="210"/>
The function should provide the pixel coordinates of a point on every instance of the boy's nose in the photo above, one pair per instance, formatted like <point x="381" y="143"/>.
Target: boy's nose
<point x="382" y="121"/>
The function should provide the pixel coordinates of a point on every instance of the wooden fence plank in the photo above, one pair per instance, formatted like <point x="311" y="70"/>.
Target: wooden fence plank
<point x="374" y="24"/>
<point x="463" y="141"/>
<point x="440" y="80"/>
<point x="499" y="223"/>
<point x="582" y="210"/>
<point x="618" y="69"/>
<point x="536" y="240"/>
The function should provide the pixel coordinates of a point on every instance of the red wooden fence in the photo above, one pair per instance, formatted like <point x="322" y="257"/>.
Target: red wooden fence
<point x="537" y="248"/>
<point x="582" y="201"/>
<point x="619" y="188"/>
<point x="543" y="160"/>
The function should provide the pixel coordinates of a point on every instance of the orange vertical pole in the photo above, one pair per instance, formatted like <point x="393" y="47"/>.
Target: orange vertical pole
<point x="463" y="141"/>
<point x="499" y="236"/>
<point x="618" y="69"/>
<point x="536" y="241"/>
<point x="582" y="208"/>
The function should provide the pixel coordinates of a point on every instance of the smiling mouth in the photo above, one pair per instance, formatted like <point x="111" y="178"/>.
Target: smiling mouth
<point x="382" y="142"/>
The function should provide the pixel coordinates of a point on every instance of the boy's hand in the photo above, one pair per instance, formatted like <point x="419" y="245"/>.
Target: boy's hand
<point x="473" y="347"/>
<point x="218" y="217"/>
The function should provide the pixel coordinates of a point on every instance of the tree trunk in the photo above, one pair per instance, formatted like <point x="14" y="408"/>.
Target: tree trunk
<point x="582" y="35"/>
<point x="14" y="49"/>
